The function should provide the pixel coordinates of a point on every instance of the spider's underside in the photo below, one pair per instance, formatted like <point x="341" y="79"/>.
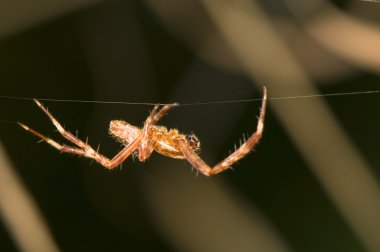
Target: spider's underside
<point x="142" y="142"/>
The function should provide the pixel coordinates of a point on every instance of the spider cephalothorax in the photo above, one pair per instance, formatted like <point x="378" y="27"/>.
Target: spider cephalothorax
<point x="143" y="141"/>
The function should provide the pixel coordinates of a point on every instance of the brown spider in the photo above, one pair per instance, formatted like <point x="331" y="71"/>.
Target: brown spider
<point x="142" y="142"/>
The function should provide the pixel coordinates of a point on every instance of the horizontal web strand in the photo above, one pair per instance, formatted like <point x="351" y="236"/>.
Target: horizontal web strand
<point x="196" y="103"/>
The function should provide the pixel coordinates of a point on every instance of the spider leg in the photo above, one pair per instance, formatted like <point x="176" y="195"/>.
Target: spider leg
<point x="162" y="112"/>
<point x="84" y="149"/>
<point x="146" y="146"/>
<point x="148" y="140"/>
<point x="88" y="151"/>
<point x="61" y="130"/>
<point x="194" y="159"/>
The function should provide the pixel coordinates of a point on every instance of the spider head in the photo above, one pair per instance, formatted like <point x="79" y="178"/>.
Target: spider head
<point x="194" y="142"/>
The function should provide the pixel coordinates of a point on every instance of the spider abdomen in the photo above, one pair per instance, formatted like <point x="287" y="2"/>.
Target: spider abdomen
<point x="123" y="131"/>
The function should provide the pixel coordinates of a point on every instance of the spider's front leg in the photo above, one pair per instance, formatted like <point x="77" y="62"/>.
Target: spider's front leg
<point x="84" y="149"/>
<point x="194" y="159"/>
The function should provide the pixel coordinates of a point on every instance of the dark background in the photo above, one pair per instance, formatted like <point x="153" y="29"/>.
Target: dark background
<point x="166" y="51"/>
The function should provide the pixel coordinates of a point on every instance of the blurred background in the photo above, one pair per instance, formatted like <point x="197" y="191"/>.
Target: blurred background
<point x="312" y="184"/>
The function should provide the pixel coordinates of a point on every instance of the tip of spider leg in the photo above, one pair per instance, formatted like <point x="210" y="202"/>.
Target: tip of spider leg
<point x="37" y="102"/>
<point x="23" y="126"/>
<point x="265" y="90"/>
<point x="171" y="105"/>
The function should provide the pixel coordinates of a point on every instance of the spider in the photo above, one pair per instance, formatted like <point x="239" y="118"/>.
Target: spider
<point x="151" y="137"/>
